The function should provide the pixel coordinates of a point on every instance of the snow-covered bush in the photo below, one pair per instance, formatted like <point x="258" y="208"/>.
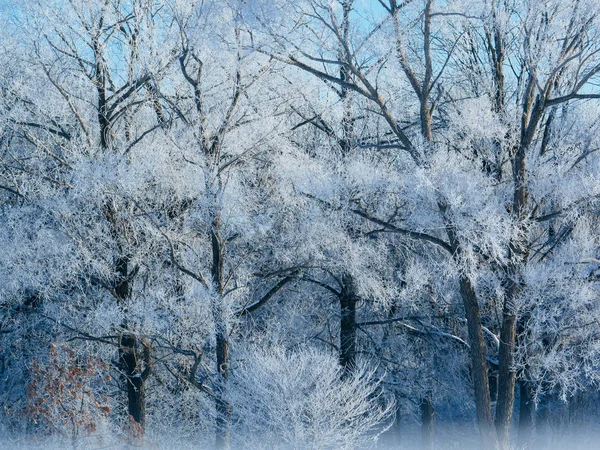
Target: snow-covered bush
<point x="301" y="399"/>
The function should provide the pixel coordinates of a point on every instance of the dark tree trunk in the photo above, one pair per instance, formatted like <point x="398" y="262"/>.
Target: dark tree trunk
<point x="130" y="362"/>
<point x="223" y="408"/>
<point x="130" y="358"/>
<point x="508" y="333"/>
<point x="483" y="404"/>
<point x="479" y="367"/>
<point x="506" y="373"/>
<point x="427" y="423"/>
<point x="348" y="301"/>
<point x="397" y="430"/>
<point x="100" y="79"/>
<point x="347" y="297"/>
<point x="526" y="409"/>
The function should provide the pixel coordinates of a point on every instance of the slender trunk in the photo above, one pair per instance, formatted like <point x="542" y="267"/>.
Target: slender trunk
<point x="100" y="79"/>
<point x="506" y="374"/>
<point x="397" y="429"/>
<point x="347" y="297"/>
<point x="497" y="48"/>
<point x="129" y="352"/>
<point x="348" y="324"/>
<point x="424" y="108"/>
<point x="425" y="113"/>
<point x="427" y="422"/>
<point x="222" y="406"/>
<point x="493" y="382"/>
<point x="526" y="409"/>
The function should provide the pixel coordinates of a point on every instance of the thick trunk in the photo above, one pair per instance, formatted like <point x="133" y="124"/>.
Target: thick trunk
<point x="508" y="333"/>
<point x="427" y="422"/>
<point x="526" y="409"/>
<point x="348" y="324"/>
<point x="506" y="373"/>
<point x="129" y="358"/>
<point x="129" y="355"/>
<point x="134" y="365"/>
<point x="483" y="404"/>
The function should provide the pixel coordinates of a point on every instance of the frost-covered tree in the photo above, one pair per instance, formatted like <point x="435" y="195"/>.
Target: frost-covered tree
<point x="266" y="219"/>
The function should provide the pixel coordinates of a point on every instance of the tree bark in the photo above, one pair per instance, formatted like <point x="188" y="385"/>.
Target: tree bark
<point x="483" y="404"/>
<point x="526" y="409"/>
<point x="223" y="408"/>
<point x="513" y="280"/>
<point x="348" y="302"/>
<point x="427" y="422"/>
<point x="507" y="375"/>
<point x="129" y="355"/>
<point x="136" y="395"/>
<point x="100" y="80"/>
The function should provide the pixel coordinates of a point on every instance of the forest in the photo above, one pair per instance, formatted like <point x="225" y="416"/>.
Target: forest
<point x="299" y="224"/>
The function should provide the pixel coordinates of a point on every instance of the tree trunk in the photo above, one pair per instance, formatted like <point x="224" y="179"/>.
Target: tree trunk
<point x="348" y="324"/>
<point x="129" y="354"/>
<point x="483" y="404"/>
<point x="508" y="333"/>
<point x="525" y="415"/>
<point x="427" y="422"/>
<point x="223" y="408"/>
<point x="397" y="429"/>
<point x="100" y="79"/>
<point x="506" y="373"/>
<point x="129" y="358"/>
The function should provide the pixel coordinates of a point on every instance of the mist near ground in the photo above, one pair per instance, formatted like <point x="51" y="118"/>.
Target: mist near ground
<point x="566" y="442"/>
<point x="448" y="437"/>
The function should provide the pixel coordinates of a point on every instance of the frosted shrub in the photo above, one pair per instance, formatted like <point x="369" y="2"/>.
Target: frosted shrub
<point x="298" y="399"/>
